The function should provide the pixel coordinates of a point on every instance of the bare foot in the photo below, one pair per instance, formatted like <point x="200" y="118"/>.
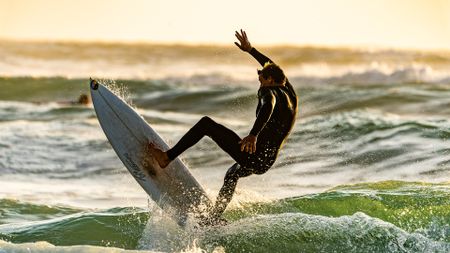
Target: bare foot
<point x="159" y="155"/>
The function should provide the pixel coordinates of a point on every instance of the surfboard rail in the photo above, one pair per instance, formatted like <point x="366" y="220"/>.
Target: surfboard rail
<point x="173" y="187"/>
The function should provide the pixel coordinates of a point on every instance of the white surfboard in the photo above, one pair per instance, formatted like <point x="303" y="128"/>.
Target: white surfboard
<point x="128" y="133"/>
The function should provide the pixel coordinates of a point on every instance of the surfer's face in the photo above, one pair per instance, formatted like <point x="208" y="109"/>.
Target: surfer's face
<point x="264" y="81"/>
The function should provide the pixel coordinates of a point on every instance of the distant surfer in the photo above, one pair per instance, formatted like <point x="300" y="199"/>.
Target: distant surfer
<point x="83" y="99"/>
<point x="255" y="153"/>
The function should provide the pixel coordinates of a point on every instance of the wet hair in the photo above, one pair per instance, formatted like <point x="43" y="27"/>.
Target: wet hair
<point x="274" y="71"/>
<point x="83" y="99"/>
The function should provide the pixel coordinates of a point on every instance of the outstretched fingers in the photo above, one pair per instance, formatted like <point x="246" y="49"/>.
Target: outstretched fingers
<point x="244" y="34"/>
<point x="244" y="43"/>
<point x="239" y="36"/>
<point x="241" y="41"/>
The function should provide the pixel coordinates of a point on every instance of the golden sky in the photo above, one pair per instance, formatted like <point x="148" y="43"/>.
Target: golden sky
<point x="389" y="23"/>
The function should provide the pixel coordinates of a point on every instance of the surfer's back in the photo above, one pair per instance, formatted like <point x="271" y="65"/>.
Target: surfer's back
<point x="283" y="115"/>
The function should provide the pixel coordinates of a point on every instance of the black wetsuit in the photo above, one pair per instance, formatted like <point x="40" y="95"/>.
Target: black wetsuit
<point x="276" y="113"/>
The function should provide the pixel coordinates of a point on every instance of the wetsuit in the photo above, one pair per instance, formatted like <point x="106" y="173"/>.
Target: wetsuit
<point x="276" y="112"/>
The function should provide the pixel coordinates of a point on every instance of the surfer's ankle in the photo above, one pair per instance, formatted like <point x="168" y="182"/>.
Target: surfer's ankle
<point x="165" y="160"/>
<point x="160" y="156"/>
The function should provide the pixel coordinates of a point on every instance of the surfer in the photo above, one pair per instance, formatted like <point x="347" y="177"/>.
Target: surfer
<point x="83" y="99"/>
<point x="255" y="153"/>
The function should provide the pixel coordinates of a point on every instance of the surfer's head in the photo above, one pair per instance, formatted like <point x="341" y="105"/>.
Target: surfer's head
<point x="83" y="99"/>
<point x="271" y="74"/>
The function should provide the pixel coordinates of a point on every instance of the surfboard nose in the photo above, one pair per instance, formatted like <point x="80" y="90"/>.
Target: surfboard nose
<point x="94" y="84"/>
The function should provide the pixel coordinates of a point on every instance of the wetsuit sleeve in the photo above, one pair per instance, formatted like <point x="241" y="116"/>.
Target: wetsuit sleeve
<point x="262" y="59"/>
<point x="268" y="101"/>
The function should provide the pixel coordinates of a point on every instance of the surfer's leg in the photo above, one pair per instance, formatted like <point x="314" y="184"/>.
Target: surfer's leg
<point x="227" y="190"/>
<point x="224" y="137"/>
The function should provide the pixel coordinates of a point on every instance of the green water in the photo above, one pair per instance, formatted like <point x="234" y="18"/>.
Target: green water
<point x="389" y="216"/>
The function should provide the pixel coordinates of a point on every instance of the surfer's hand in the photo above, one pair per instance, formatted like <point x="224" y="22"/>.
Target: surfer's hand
<point x="245" y="43"/>
<point x="248" y="144"/>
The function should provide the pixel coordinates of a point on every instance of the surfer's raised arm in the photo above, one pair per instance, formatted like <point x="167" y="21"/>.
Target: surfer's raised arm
<point x="245" y="45"/>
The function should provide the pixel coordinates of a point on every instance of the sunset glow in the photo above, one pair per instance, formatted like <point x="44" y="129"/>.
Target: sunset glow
<point x="401" y="23"/>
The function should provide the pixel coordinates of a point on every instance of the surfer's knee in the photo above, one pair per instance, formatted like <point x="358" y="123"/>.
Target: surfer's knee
<point x="207" y="126"/>
<point x="206" y="121"/>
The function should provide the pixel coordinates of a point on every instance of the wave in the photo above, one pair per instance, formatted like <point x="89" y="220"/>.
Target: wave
<point x="139" y="52"/>
<point x="117" y="227"/>
<point x="364" y="145"/>
<point x="219" y="65"/>
<point x="377" y="131"/>
<point x="45" y="247"/>
<point x="356" y="125"/>
<point x="43" y="98"/>
<point x="194" y="96"/>
<point x="390" y="216"/>
<point x="50" y="111"/>
<point x="302" y="75"/>
<point x="310" y="233"/>
<point x="375" y="75"/>
<point x="411" y="206"/>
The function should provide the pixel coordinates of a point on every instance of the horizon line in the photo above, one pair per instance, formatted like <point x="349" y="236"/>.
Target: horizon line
<point x="366" y="47"/>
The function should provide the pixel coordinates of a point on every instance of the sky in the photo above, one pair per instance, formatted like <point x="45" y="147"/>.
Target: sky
<point x="418" y="24"/>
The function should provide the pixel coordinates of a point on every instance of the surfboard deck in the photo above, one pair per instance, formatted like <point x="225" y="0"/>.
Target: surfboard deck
<point x="172" y="188"/>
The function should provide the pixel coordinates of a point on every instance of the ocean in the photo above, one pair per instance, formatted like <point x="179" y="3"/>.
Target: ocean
<point x="365" y="169"/>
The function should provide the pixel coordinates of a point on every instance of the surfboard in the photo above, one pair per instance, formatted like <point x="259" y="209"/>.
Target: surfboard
<point x="172" y="188"/>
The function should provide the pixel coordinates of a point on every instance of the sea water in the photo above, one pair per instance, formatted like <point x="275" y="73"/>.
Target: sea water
<point x="365" y="169"/>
